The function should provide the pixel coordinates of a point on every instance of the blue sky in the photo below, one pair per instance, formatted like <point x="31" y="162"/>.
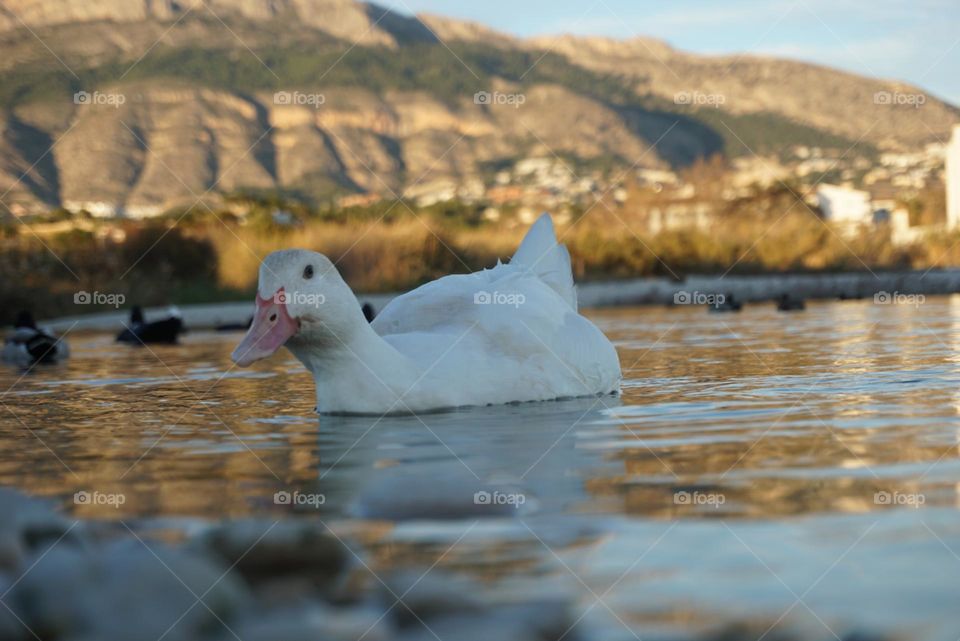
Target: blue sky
<point x="917" y="41"/>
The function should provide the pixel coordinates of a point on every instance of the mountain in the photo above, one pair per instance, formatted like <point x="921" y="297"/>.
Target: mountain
<point x="148" y="104"/>
<point x="343" y="19"/>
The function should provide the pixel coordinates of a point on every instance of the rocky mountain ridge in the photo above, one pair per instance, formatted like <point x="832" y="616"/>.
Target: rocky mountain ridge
<point x="148" y="104"/>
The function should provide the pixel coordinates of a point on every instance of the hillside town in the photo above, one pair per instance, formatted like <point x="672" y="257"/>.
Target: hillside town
<point x="853" y="192"/>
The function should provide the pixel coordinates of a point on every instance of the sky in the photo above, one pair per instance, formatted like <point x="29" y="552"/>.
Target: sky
<point x="916" y="41"/>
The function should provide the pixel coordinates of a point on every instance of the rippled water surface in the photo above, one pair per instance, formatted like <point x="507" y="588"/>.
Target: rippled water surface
<point x="799" y="470"/>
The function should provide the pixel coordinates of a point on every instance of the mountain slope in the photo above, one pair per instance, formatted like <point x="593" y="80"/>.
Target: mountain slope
<point x="841" y="103"/>
<point x="380" y="101"/>
<point x="340" y="18"/>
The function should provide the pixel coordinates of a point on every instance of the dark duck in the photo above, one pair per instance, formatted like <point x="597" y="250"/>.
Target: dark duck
<point x="787" y="303"/>
<point x="138" y="331"/>
<point x="30" y="345"/>
<point x="728" y="304"/>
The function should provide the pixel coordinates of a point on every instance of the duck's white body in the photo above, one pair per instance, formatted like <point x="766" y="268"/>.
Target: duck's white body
<point x="507" y="334"/>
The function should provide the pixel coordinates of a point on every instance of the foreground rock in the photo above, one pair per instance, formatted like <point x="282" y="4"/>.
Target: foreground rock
<point x="314" y="622"/>
<point x="28" y="525"/>
<point x="126" y="590"/>
<point x="267" y="551"/>
<point x="262" y="580"/>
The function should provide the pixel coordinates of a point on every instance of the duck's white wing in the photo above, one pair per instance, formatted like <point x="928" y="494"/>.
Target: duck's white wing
<point x="501" y="333"/>
<point x="450" y="301"/>
<point x="540" y="342"/>
<point x="540" y="262"/>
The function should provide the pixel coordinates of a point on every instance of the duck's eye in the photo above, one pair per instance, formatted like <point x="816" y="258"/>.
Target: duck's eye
<point x="308" y="272"/>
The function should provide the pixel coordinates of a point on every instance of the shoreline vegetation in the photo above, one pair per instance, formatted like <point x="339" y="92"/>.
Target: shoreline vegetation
<point x="207" y="255"/>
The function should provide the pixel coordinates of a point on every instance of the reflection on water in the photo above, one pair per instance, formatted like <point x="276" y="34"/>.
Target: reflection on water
<point x="756" y="464"/>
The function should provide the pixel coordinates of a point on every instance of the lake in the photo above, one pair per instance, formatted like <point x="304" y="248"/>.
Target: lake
<point x="791" y="474"/>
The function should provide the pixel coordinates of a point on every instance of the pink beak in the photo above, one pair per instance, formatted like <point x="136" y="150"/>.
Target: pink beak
<point x="271" y="328"/>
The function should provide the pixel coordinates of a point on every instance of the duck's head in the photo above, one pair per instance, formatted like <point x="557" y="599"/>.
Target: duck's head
<point x="301" y="300"/>
<point x="25" y="321"/>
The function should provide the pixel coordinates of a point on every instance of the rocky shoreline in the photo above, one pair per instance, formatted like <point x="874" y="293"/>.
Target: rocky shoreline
<point x="259" y="579"/>
<point x="253" y="579"/>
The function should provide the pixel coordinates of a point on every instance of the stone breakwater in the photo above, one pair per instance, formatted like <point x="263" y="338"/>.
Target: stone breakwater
<point x="883" y="286"/>
<point x="765" y="288"/>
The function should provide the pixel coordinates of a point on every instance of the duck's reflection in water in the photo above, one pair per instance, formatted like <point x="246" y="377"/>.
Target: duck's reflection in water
<point x="480" y="461"/>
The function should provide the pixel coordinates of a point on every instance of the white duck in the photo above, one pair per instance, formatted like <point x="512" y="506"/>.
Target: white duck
<point x="501" y="335"/>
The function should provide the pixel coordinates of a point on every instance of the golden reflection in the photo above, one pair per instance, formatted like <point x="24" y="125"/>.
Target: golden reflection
<point x="780" y="414"/>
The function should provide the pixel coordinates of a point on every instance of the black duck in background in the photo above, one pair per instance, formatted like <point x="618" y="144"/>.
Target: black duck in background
<point x="138" y="331"/>
<point x="846" y="296"/>
<point x="30" y="345"/>
<point x="786" y="303"/>
<point x="729" y="304"/>
<point x="234" y="327"/>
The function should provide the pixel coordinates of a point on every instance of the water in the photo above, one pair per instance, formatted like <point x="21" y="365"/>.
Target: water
<point x="799" y="471"/>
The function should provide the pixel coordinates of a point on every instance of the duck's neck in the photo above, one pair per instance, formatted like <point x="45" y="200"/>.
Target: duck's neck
<point x="356" y="372"/>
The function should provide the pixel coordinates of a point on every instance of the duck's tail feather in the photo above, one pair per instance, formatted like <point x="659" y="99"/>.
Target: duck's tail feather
<point x="543" y="255"/>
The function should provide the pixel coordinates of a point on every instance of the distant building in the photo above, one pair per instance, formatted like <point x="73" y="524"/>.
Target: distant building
<point x="845" y="206"/>
<point x="952" y="178"/>
<point x="142" y="211"/>
<point x="432" y="192"/>
<point x="901" y="233"/>
<point x="97" y="209"/>
<point x="101" y="209"/>
<point x="657" y="177"/>
<point x="756" y="171"/>
<point x="505" y="194"/>
<point x="528" y="166"/>
<point x="471" y="190"/>
<point x="680" y="216"/>
<point x="359" y="200"/>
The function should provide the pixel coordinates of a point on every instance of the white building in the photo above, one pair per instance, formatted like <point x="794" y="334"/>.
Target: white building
<point x="96" y="208"/>
<point x="680" y="216"/>
<point x="953" y="180"/>
<point x="844" y="205"/>
<point x="140" y="212"/>
<point x="901" y="233"/>
<point x="431" y="192"/>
